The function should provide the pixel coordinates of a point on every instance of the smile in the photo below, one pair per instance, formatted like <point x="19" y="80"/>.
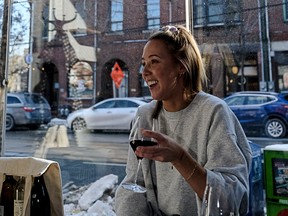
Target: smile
<point x="151" y="82"/>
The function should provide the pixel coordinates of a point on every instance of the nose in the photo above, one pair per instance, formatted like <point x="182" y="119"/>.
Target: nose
<point x="146" y="70"/>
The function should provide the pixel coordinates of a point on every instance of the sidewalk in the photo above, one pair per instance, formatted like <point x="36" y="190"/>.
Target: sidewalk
<point x="81" y="164"/>
<point x="59" y="143"/>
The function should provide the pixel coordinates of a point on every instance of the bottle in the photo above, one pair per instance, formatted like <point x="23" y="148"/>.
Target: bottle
<point x="40" y="202"/>
<point x="7" y="195"/>
<point x="19" y="197"/>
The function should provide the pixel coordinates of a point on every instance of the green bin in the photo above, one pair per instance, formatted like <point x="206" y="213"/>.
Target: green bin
<point x="276" y="179"/>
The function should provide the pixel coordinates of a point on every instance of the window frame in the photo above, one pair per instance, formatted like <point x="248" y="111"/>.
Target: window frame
<point x="116" y="15"/>
<point x="203" y="14"/>
<point x="153" y="14"/>
<point x="285" y="11"/>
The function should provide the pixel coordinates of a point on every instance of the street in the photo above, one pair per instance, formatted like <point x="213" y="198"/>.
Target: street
<point x="88" y="156"/>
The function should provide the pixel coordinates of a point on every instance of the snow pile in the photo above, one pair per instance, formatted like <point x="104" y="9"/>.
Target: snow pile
<point x="96" y="199"/>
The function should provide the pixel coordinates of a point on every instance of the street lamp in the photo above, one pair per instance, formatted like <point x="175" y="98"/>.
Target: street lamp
<point x="235" y="70"/>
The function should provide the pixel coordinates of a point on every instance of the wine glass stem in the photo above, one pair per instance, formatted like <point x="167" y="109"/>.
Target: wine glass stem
<point x="138" y="167"/>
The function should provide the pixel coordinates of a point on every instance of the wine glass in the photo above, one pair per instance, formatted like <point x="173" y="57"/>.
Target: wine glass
<point x="136" y="139"/>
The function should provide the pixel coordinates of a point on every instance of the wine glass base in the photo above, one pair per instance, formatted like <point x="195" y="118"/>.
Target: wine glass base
<point x="134" y="187"/>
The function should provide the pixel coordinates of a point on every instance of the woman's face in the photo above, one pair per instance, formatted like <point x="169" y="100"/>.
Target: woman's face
<point x="161" y="71"/>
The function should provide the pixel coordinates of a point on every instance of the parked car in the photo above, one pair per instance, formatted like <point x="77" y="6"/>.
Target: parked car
<point x="261" y="111"/>
<point x="28" y="109"/>
<point x="109" y="114"/>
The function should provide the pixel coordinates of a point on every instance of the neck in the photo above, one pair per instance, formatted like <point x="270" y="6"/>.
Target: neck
<point x="174" y="106"/>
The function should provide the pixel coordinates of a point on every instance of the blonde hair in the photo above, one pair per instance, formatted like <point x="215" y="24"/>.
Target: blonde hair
<point x="184" y="48"/>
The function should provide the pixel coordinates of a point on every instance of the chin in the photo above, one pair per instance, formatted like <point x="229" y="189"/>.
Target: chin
<point x="156" y="98"/>
<point x="156" y="95"/>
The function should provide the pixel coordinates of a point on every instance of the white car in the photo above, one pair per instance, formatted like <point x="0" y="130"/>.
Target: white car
<point x="109" y="114"/>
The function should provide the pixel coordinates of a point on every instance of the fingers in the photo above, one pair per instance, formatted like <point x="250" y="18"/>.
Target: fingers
<point x="164" y="151"/>
<point x="150" y="152"/>
<point x="152" y="134"/>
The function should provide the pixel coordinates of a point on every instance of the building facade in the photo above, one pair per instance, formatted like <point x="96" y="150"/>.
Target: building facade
<point x="77" y="43"/>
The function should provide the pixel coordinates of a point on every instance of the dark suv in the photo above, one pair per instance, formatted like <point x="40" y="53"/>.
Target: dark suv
<point x="261" y="111"/>
<point x="27" y="109"/>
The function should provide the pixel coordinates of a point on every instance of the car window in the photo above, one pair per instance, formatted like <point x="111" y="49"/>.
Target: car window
<point x="126" y="104"/>
<point x="234" y="101"/>
<point x="34" y="98"/>
<point x="13" y="100"/>
<point x="253" y="100"/>
<point x="108" y="104"/>
<point x="268" y="99"/>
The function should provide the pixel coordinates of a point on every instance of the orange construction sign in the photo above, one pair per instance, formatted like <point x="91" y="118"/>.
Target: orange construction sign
<point x="117" y="75"/>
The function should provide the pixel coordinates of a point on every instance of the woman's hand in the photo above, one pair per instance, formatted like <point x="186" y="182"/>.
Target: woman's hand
<point x="166" y="150"/>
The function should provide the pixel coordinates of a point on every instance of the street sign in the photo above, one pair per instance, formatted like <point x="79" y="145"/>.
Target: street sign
<point x="28" y="59"/>
<point x="117" y="75"/>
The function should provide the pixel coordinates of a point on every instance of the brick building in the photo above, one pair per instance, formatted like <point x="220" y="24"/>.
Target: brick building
<point x="241" y="50"/>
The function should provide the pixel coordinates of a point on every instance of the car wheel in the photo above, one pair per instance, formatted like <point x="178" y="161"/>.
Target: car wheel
<point x="79" y="124"/>
<point x="275" y="128"/>
<point x="10" y="124"/>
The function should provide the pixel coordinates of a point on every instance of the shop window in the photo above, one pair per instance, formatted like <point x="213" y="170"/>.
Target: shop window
<point x="81" y="81"/>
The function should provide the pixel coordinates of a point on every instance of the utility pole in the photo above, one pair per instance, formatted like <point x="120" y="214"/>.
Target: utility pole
<point x="266" y="70"/>
<point x="4" y="53"/>
<point x="243" y="49"/>
<point x="189" y="15"/>
<point x="31" y="3"/>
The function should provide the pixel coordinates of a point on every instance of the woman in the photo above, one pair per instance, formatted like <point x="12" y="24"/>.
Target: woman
<point x="201" y="162"/>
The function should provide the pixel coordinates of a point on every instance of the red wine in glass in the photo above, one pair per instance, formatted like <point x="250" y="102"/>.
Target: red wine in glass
<point x="135" y="143"/>
<point x="136" y="139"/>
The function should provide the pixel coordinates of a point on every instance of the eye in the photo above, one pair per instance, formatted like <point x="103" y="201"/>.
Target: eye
<point x="154" y="61"/>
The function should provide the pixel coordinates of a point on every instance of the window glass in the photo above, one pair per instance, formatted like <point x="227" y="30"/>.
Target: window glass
<point x="199" y="12"/>
<point x="79" y="53"/>
<point x="234" y="101"/>
<point x="108" y="104"/>
<point x="256" y="100"/>
<point x="126" y="104"/>
<point x="153" y="14"/>
<point x="45" y="15"/>
<point x="285" y="10"/>
<point x="12" y="100"/>
<point x="216" y="12"/>
<point x="117" y="15"/>
<point x="80" y="81"/>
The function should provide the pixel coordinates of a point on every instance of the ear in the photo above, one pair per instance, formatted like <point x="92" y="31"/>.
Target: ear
<point x="181" y="69"/>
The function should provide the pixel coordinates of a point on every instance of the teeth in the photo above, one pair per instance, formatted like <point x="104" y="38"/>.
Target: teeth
<point x="151" y="82"/>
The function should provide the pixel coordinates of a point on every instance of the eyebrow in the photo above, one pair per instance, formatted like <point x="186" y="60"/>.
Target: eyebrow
<point x="154" y="55"/>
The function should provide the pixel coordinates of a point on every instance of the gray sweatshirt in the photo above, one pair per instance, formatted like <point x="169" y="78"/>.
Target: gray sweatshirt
<point x="211" y="133"/>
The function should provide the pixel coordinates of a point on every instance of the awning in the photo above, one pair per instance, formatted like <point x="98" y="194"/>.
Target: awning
<point x="65" y="7"/>
<point x="83" y="53"/>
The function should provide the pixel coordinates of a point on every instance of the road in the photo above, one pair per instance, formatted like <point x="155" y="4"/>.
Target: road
<point x="87" y="155"/>
<point x="96" y="147"/>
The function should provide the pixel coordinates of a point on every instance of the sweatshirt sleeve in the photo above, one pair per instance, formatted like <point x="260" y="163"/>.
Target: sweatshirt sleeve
<point x="228" y="164"/>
